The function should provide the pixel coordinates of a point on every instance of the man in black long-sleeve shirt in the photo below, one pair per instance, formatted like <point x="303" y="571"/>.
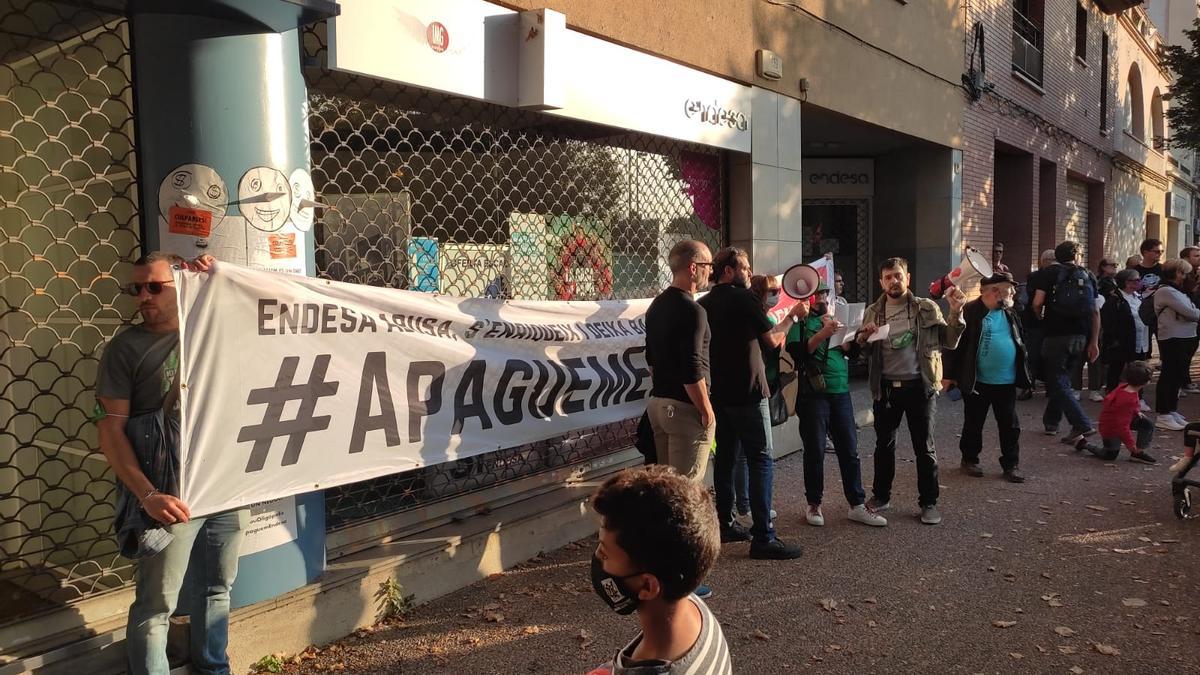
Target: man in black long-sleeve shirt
<point x="740" y="328"/>
<point x="677" y="351"/>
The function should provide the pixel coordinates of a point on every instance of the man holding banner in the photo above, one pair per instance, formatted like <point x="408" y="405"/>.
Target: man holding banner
<point x="903" y="337"/>
<point x="138" y="390"/>
<point x="738" y="323"/>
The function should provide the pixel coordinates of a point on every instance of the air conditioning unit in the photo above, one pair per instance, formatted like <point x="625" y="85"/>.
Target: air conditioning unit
<point x="1116" y="6"/>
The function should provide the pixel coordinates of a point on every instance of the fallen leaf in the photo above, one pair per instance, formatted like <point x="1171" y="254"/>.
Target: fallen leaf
<point x="1064" y="631"/>
<point x="493" y="617"/>
<point x="985" y="535"/>
<point x="1016" y="655"/>
<point x="828" y="604"/>
<point x="1093" y="507"/>
<point x="1046" y="575"/>
<point x="1067" y="649"/>
<point x="871" y="601"/>
<point x="1165" y="603"/>
<point x="1077" y="670"/>
<point x="1003" y="624"/>
<point x="1133" y="602"/>
<point x="1107" y="650"/>
<point x="872" y="624"/>
<point x="759" y="635"/>
<point x="531" y="630"/>
<point x="585" y="639"/>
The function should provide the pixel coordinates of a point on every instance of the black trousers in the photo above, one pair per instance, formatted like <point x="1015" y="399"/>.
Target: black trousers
<point x="1174" y="353"/>
<point x="1002" y="399"/>
<point x="909" y="400"/>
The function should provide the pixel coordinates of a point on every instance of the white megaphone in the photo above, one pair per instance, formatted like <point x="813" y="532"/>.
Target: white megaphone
<point x="800" y="281"/>
<point x="972" y="269"/>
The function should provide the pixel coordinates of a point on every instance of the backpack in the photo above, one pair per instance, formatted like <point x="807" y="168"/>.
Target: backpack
<point x="1148" y="314"/>
<point x="1074" y="293"/>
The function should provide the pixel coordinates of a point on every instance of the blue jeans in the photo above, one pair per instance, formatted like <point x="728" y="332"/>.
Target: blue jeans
<point x="1060" y="355"/>
<point x="741" y="482"/>
<point x="208" y="547"/>
<point x="833" y="415"/>
<point x="749" y="425"/>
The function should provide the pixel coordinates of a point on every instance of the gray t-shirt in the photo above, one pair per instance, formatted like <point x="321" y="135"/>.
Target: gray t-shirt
<point x="709" y="654"/>
<point x="900" y="364"/>
<point x="140" y="366"/>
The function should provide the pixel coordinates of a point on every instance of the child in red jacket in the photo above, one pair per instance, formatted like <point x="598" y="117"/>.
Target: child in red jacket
<point x="1120" y="417"/>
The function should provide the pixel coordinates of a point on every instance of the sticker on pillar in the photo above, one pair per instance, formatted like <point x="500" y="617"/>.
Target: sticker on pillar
<point x="303" y="200"/>
<point x="192" y="200"/>
<point x="265" y="198"/>
<point x="282" y="246"/>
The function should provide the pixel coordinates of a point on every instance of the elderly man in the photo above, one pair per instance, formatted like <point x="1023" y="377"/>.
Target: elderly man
<point x="989" y="365"/>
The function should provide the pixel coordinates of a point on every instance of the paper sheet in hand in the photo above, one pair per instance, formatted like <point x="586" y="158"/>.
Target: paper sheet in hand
<point x="880" y="334"/>
<point x="851" y="316"/>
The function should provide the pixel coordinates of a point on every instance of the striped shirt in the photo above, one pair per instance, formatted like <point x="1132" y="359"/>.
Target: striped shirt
<point x="708" y="656"/>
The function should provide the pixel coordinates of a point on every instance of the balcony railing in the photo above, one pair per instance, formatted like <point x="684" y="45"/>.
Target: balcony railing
<point x="1027" y="47"/>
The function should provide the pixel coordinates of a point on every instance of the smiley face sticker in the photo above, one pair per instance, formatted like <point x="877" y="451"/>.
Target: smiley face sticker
<point x="192" y="200"/>
<point x="265" y="198"/>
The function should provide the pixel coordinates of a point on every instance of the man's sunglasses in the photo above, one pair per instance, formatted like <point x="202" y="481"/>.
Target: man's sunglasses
<point x="154" y="287"/>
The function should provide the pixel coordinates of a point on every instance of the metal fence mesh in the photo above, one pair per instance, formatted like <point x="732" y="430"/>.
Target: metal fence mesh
<point x="436" y="193"/>
<point x="69" y="226"/>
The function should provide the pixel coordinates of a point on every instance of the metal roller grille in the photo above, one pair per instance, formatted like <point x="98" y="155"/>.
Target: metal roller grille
<point x="69" y="225"/>
<point x="436" y="193"/>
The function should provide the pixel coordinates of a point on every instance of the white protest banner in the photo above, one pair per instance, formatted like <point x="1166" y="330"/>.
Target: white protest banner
<point x="291" y="384"/>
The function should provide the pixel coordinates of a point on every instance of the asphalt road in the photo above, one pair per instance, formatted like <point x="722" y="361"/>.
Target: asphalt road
<point x="1083" y="569"/>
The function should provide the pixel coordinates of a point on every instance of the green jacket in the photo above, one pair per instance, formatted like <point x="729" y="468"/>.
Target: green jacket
<point x="934" y="335"/>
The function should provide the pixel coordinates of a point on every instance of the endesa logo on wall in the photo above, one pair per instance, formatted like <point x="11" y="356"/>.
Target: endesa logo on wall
<point x="838" y="177"/>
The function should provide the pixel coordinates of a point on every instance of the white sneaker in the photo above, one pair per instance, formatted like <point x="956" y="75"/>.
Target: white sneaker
<point x="1143" y="406"/>
<point x="814" y="516"/>
<point x="860" y="514"/>
<point x="1180" y="417"/>
<point x="1096" y="396"/>
<point x="1169" y="423"/>
<point x="1078" y="394"/>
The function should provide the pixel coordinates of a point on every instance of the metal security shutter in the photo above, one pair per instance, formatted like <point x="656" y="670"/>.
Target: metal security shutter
<point x="68" y="233"/>
<point x="1076" y="216"/>
<point x="436" y="193"/>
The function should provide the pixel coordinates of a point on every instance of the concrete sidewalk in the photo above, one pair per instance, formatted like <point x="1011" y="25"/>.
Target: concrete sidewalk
<point x="1082" y="569"/>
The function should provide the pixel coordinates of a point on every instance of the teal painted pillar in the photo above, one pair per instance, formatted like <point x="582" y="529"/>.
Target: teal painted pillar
<point x="222" y="136"/>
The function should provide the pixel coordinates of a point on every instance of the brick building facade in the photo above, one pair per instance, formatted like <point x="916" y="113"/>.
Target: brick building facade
<point x="1037" y="139"/>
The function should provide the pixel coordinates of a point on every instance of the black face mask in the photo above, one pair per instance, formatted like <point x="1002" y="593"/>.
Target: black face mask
<point x="612" y="589"/>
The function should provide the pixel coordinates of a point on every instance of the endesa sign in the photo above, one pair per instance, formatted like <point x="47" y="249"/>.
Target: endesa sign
<point x="838" y="177"/>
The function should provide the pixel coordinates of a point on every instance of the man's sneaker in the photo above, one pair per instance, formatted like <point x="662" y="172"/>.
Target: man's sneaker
<point x="1077" y="393"/>
<point x="775" y="550"/>
<point x="878" y="506"/>
<point x="814" y="515"/>
<point x="1143" y="457"/>
<point x="1075" y="435"/>
<point x="1193" y="387"/>
<point x="703" y="592"/>
<point x="972" y="469"/>
<point x="734" y="532"/>
<point x="1169" y="423"/>
<point x="772" y="515"/>
<point x="1050" y="431"/>
<point x="1014" y="476"/>
<point x="860" y="514"/>
<point x="930" y="515"/>
<point x="1183" y="393"/>
<point x="1182" y="420"/>
<point x="1096" y="396"/>
<point x="1143" y="406"/>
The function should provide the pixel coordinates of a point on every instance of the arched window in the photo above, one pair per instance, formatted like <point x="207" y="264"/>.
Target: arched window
<point x="1133" y="106"/>
<point x="1157" y="121"/>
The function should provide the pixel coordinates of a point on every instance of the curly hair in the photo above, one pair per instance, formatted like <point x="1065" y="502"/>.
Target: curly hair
<point x="665" y="523"/>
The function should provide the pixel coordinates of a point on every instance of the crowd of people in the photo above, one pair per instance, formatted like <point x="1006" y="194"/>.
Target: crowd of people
<point x="715" y="366"/>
